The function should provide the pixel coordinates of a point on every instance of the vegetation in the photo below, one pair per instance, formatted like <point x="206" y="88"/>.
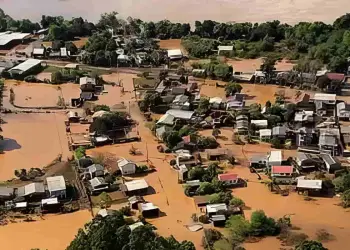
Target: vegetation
<point x="101" y="107"/>
<point x="232" y="88"/>
<point x="1" y="98"/>
<point x="111" y="232"/>
<point x="342" y="183"/>
<point x="80" y="152"/>
<point x="109" y="123"/>
<point x="310" y="245"/>
<point x="24" y="25"/>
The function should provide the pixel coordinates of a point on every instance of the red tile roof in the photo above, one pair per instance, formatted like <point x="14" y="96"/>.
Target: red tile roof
<point x="282" y="169"/>
<point x="228" y="177"/>
<point x="186" y="139"/>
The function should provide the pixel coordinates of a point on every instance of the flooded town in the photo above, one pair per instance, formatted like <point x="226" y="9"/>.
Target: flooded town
<point x="128" y="134"/>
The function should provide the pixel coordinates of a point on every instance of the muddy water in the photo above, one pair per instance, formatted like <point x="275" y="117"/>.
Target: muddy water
<point x="31" y="140"/>
<point x="55" y="232"/>
<point x="290" y="11"/>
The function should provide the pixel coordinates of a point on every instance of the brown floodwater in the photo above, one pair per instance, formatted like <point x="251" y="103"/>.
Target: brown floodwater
<point x="55" y="232"/>
<point x="32" y="140"/>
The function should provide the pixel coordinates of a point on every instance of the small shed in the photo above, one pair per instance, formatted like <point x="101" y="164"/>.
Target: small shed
<point x="175" y="54"/>
<point x="6" y="193"/>
<point x="95" y="170"/>
<point x="56" y="186"/>
<point x="265" y="134"/>
<point x="218" y="220"/>
<point x="98" y="185"/>
<point x="229" y="178"/>
<point x="260" y="124"/>
<point x="126" y="167"/>
<point x="148" y="210"/>
<point x="307" y="185"/>
<point x="331" y="163"/>
<point x="135" y="200"/>
<point x="275" y="158"/>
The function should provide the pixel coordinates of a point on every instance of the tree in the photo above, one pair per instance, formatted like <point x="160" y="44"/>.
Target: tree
<point x="56" y="77"/>
<point x="237" y="202"/>
<point x="345" y="197"/>
<point x="222" y="71"/>
<point x="171" y="138"/>
<point x="238" y="227"/>
<point x="109" y="122"/>
<point x="268" y="66"/>
<point x="261" y="225"/>
<point x="203" y="106"/>
<point x="101" y="107"/>
<point x="342" y="183"/>
<point x="196" y="173"/>
<point x="232" y="88"/>
<point x="310" y="245"/>
<point x="205" y="188"/>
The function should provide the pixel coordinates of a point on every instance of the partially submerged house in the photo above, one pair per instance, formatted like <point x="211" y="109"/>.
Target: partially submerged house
<point x="126" y="167"/>
<point x="274" y="158"/>
<point x="216" y="103"/>
<point x="343" y="111"/>
<point x="166" y="119"/>
<point x="98" y="185"/>
<point x="259" y="124"/>
<point x="87" y="84"/>
<point x="279" y="132"/>
<point x="181" y="114"/>
<point x="308" y="162"/>
<point x="282" y="174"/>
<point x="265" y="134"/>
<point x="242" y="126"/>
<point x="309" y="186"/>
<point x="328" y="142"/>
<point x="33" y="191"/>
<point x="229" y="179"/>
<point x="214" y="209"/>
<point x="56" y="186"/>
<point x="135" y="200"/>
<point x="175" y="54"/>
<point x="325" y="104"/>
<point x="28" y="67"/>
<point x="304" y="136"/>
<point x="6" y="194"/>
<point x="331" y="163"/>
<point x="135" y="187"/>
<point x="218" y="154"/>
<point x="148" y="210"/>
<point x="95" y="170"/>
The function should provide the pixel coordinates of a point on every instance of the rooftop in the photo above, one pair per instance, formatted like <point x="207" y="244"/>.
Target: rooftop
<point x="217" y="100"/>
<point x="324" y="97"/>
<point x="228" y="177"/>
<point x="174" y="52"/>
<point x="122" y="162"/>
<point x="166" y="119"/>
<point x="265" y="132"/>
<point x="6" y="37"/>
<point x="282" y="169"/>
<point x="279" y="130"/>
<point x="87" y="80"/>
<point x="147" y="206"/>
<point x="181" y="114"/>
<point x="229" y="48"/>
<point x="213" y="208"/>
<point x="37" y="187"/>
<point x="259" y="122"/>
<point x="95" y="168"/>
<point x="56" y="183"/>
<point x="5" y="191"/>
<point x="28" y="64"/>
<point x="97" y="181"/>
<point x="309" y="184"/>
<point x="135" y="225"/>
<point x="275" y="156"/>
<point x="136" y="185"/>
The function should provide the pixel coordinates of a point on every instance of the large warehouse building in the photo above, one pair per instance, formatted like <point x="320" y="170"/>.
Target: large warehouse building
<point x="10" y="39"/>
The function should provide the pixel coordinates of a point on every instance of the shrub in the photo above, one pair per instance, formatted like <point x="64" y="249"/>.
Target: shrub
<point x="345" y="197"/>
<point x="205" y="188"/>
<point x="105" y="200"/>
<point x="101" y="107"/>
<point x="80" y="152"/>
<point x="203" y="219"/>
<point x="261" y="225"/>
<point x="237" y="202"/>
<point x="126" y="211"/>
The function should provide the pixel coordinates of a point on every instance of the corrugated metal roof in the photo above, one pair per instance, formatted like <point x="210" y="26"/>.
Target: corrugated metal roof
<point x="181" y="114"/>
<point x="265" y="132"/>
<point x="174" y="53"/>
<point x="166" y="119"/>
<point x="310" y="184"/>
<point x="228" y="177"/>
<point x="6" y="37"/>
<point x="136" y="185"/>
<point x="324" y="97"/>
<point x="275" y="156"/>
<point x="213" y="208"/>
<point x="27" y="65"/>
<point x="225" y="48"/>
<point x="56" y="183"/>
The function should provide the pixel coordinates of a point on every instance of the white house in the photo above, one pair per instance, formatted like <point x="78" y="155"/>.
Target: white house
<point x="56" y="186"/>
<point x="261" y="124"/>
<point x="265" y="134"/>
<point x="126" y="166"/>
<point x="213" y="209"/>
<point x="174" y="54"/>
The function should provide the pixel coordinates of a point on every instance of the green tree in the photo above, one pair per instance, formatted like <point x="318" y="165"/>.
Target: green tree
<point x="216" y="132"/>
<point x="345" y="197"/>
<point x="310" y="245"/>
<point x="205" y="188"/>
<point x="237" y="202"/>
<point x="101" y="107"/>
<point x="171" y="138"/>
<point x="238" y="227"/>
<point x="261" y="225"/>
<point x="109" y="122"/>
<point x="268" y="66"/>
<point x="342" y="183"/>
<point x="232" y="88"/>
<point x="196" y="173"/>
<point x="203" y="106"/>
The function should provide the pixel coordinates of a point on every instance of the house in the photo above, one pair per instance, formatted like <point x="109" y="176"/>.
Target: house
<point x="181" y="102"/>
<point x="213" y="209"/>
<point x="38" y="52"/>
<point x="345" y="133"/>
<point x="56" y="186"/>
<point x="32" y="191"/>
<point x="179" y="90"/>
<point x="218" y="220"/>
<point x="343" y="111"/>
<point x="175" y="54"/>
<point x="305" y="136"/>
<point x="328" y="142"/>
<point x="160" y="132"/>
<point x="279" y="132"/>
<point x="229" y="179"/>
<point x="216" y="102"/>
<point x="258" y="161"/>
<point x="308" y="162"/>
<point x="50" y="205"/>
<point x="182" y="173"/>
<point x="282" y="174"/>
<point x="134" y="201"/>
<point x="241" y="117"/>
<point x="95" y="170"/>
<point x="202" y="200"/>
<point x="135" y="187"/>
<point x="73" y="117"/>
<point x="325" y="104"/>
<point x="6" y="194"/>
<point x="265" y="134"/>
<point x="259" y="124"/>
<point x="304" y="117"/>
<point x="126" y="167"/>
<point x="166" y="119"/>
<point x="98" y="185"/>
<point x="9" y="39"/>
<point x="274" y="158"/>
<point x="218" y="154"/>
<point x="181" y="114"/>
<point x="28" y="67"/>
<point x="226" y="49"/>
<point x="148" y="210"/>
<point x="87" y="84"/>
<point x="331" y="163"/>
<point x="309" y="185"/>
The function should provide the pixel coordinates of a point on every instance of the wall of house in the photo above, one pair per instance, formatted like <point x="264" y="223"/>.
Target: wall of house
<point x="128" y="169"/>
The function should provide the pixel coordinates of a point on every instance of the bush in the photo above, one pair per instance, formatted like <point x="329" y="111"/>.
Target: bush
<point x="126" y="211"/>
<point x="205" y="188"/>
<point x="203" y="219"/>
<point x="80" y="152"/>
<point x="310" y="245"/>
<point x="323" y="236"/>
<point x="261" y="225"/>
<point x="105" y="200"/>
<point x="101" y="107"/>
<point x="345" y="197"/>
<point x="141" y="169"/>
<point x="237" y="202"/>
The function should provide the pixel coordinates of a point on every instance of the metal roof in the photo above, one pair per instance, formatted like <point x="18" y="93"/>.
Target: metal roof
<point x="310" y="184"/>
<point x="325" y="97"/>
<point x="229" y="48"/>
<point x="148" y="206"/>
<point x="87" y="80"/>
<point x="6" y="37"/>
<point x="174" y="52"/>
<point x="49" y="201"/>
<point x="217" y="100"/>
<point x="136" y="185"/>
<point x="97" y="181"/>
<point x="265" y="132"/>
<point x="181" y="114"/>
<point x="275" y="156"/>
<point x="38" y="51"/>
<point x="213" y="208"/>
<point x="135" y="225"/>
<point x="282" y="169"/>
<point x="95" y="168"/>
<point x="228" y="177"/>
<point x="123" y="162"/>
<point x="166" y="119"/>
<point x="27" y="65"/>
<point x="261" y="123"/>
<point x="279" y="130"/>
<point x="56" y="183"/>
<point x="37" y="187"/>
<point x="5" y="191"/>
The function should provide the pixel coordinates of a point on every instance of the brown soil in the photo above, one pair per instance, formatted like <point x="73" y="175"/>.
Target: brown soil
<point x="171" y="44"/>
<point x="250" y="65"/>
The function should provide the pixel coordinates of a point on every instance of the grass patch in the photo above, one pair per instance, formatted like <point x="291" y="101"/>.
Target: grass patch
<point x="51" y="69"/>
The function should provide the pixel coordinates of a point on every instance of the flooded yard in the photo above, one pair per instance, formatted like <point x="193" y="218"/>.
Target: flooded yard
<point x="32" y="140"/>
